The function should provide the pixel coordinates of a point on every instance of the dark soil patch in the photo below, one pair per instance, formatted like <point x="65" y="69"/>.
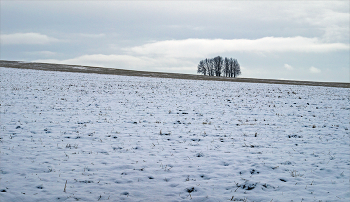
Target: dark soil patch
<point x="113" y="71"/>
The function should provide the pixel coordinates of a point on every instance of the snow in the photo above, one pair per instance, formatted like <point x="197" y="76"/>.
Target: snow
<point x="89" y="137"/>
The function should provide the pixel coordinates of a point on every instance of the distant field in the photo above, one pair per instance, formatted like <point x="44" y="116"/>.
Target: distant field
<point x="113" y="71"/>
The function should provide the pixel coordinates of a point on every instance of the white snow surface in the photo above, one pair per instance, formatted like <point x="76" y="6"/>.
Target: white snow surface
<point x="89" y="137"/>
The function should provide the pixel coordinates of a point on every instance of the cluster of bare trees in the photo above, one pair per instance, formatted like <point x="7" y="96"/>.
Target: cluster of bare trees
<point x="218" y="66"/>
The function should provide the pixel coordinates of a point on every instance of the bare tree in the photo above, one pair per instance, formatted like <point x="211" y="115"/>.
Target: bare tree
<point x="236" y="68"/>
<point x="209" y="65"/>
<point x="226" y="69"/>
<point x="201" y="68"/>
<point x="206" y="67"/>
<point x="231" y="67"/>
<point x="218" y="66"/>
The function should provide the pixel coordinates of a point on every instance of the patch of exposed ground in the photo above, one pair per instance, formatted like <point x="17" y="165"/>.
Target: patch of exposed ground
<point x="114" y="71"/>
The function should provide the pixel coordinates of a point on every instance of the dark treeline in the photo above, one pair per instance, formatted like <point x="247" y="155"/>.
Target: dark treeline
<point x="218" y="66"/>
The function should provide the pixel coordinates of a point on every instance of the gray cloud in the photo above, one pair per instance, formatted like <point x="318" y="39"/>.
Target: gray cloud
<point x="289" y="67"/>
<point x="314" y="70"/>
<point x="205" y="47"/>
<point x="174" y="35"/>
<point x="26" y="39"/>
<point x="42" y="53"/>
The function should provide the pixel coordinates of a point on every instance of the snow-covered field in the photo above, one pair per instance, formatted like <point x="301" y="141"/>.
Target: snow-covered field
<point x="88" y="137"/>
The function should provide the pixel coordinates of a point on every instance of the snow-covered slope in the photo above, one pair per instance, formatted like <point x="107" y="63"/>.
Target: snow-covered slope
<point x="88" y="137"/>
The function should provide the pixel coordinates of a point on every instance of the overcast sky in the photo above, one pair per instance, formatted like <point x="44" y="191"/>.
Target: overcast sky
<point x="299" y="40"/>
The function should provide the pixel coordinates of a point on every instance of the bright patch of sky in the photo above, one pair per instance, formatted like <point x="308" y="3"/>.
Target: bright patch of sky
<point x="299" y="40"/>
